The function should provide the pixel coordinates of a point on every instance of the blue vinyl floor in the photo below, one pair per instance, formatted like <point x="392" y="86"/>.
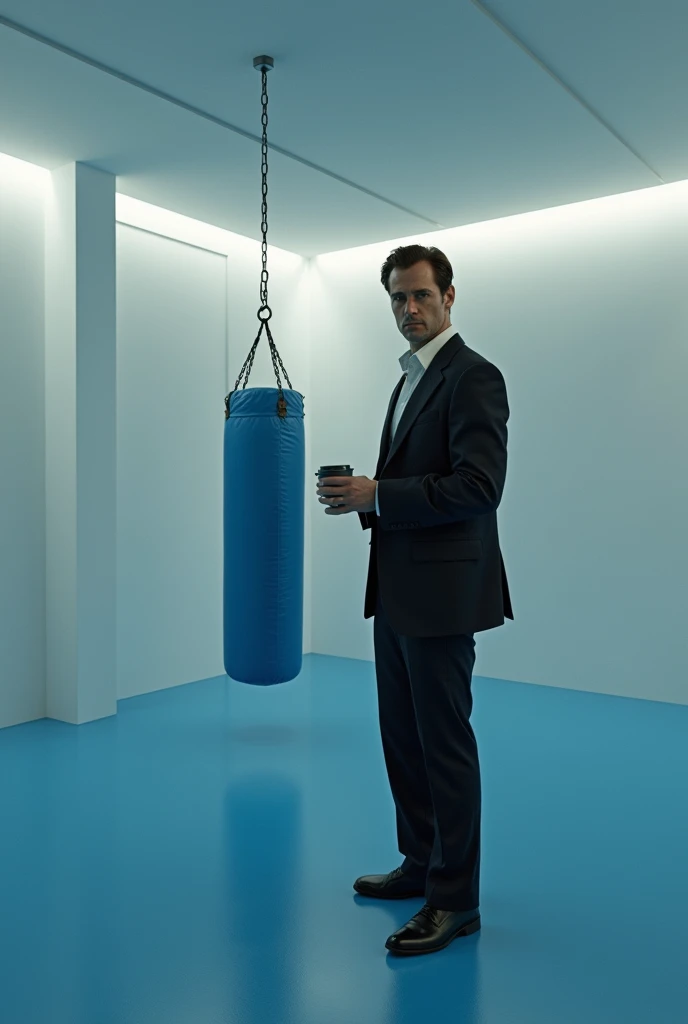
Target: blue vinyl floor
<point x="191" y="862"/>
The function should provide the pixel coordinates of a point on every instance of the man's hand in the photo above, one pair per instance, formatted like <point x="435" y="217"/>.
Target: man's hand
<point x="352" y="493"/>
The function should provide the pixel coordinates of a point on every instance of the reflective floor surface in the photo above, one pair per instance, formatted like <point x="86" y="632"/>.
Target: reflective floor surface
<point x="190" y="862"/>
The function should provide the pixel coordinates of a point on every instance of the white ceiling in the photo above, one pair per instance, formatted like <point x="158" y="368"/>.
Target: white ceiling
<point x="437" y="110"/>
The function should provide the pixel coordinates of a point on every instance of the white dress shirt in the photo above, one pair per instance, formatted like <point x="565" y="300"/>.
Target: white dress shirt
<point x="414" y="365"/>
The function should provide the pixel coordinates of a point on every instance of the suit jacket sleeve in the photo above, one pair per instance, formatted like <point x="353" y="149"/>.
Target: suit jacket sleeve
<point x="478" y="415"/>
<point x="368" y="518"/>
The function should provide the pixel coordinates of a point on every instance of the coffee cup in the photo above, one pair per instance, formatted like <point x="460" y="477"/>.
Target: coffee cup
<point x="326" y="471"/>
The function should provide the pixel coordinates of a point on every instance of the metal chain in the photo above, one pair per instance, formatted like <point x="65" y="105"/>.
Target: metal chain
<point x="276" y="358"/>
<point x="264" y="208"/>
<point x="277" y="363"/>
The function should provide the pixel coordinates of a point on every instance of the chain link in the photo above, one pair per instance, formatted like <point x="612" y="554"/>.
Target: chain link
<point x="277" y="363"/>
<point x="264" y="208"/>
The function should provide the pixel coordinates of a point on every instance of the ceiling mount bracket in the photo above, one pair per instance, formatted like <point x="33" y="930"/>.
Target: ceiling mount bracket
<point x="263" y="63"/>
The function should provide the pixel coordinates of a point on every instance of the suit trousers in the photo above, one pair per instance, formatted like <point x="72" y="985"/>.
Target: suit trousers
<point x="431" y="755"/>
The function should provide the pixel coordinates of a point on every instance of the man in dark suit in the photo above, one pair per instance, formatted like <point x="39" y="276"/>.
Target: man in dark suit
<point x="436" y="578"/>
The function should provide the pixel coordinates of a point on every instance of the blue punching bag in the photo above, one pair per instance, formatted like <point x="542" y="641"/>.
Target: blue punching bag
<point x="264" y="481"/>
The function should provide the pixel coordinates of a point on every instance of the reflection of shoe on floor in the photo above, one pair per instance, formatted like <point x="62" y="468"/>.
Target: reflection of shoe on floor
<point x="394" y="886"/>
<point x="432" y="929"/>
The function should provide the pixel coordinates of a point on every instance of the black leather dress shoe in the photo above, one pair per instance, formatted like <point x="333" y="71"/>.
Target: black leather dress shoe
<point x="432" y="929"/>
<point x="394" y="886"/>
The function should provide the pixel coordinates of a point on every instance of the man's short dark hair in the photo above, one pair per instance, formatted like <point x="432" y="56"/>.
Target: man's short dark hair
<point x="408" y="255"/>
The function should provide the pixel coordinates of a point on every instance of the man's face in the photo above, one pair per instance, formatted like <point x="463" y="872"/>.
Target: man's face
<point x="420" y="310"/>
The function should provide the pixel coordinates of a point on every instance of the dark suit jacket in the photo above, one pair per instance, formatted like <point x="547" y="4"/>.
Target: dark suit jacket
<point x="435" y="553"/>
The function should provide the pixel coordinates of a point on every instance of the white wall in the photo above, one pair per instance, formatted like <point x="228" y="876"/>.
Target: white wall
<point x="170" y="377"/>
<point x="22" y="444"/>
<point x="186" y="322"/>
<point x="585" y="310"/>
<point x="187" y="301"/>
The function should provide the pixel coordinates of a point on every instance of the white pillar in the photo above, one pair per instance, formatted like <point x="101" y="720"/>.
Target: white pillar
<point x="80" y="406"/>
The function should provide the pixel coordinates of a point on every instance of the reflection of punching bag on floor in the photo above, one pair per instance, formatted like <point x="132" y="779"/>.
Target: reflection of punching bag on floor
<point x="264" y="481"/>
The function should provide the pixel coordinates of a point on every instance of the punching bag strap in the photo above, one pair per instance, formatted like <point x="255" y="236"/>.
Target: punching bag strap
<point x="264" y="64"/>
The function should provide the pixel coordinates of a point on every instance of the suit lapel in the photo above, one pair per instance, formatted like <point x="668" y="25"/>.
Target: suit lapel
<point x="423" y="392"/>
<point x="384" y="443"/>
